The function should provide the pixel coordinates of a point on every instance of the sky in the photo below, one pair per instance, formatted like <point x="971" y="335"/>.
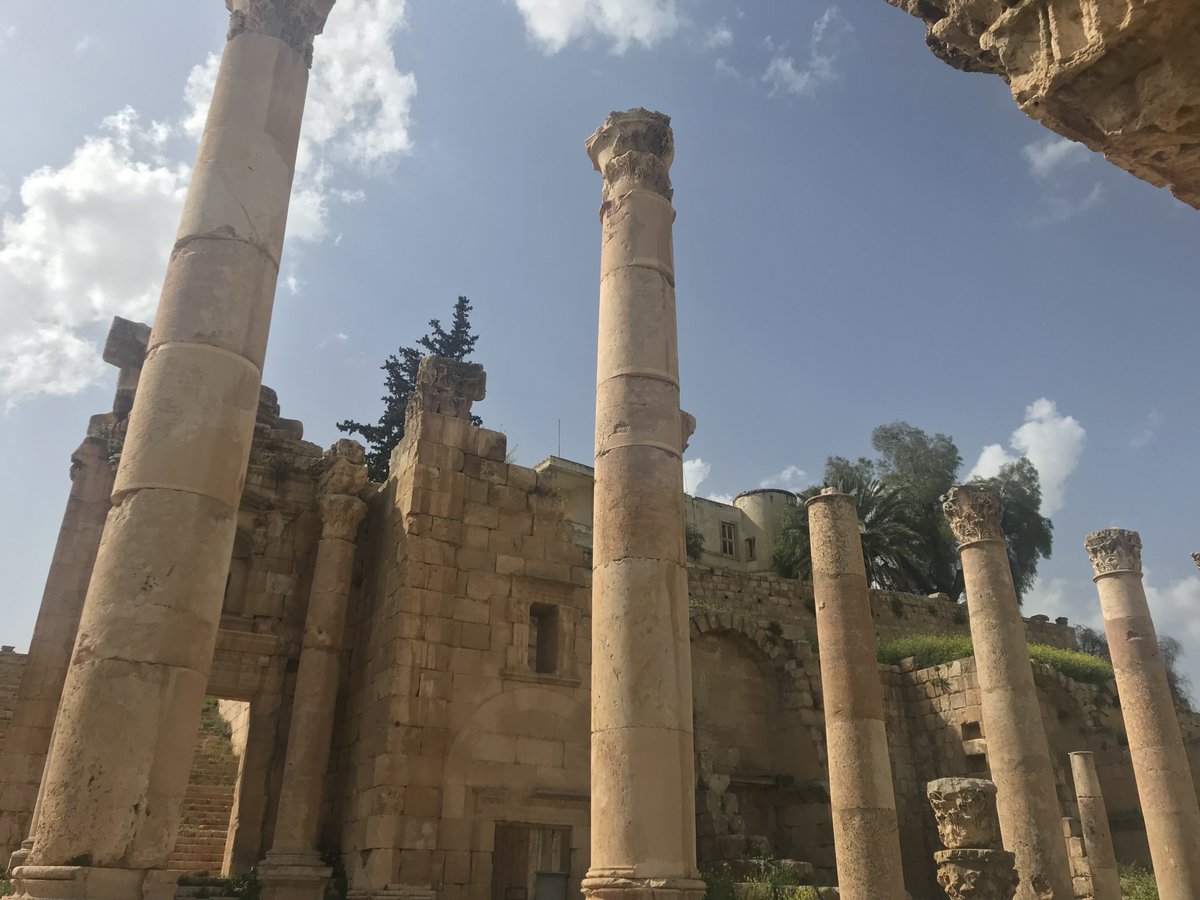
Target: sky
<point x="864" y="235"/>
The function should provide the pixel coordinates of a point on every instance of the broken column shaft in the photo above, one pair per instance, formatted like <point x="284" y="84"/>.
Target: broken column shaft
<point x="1017" y="751"/>
<point x="1093" y="820"/>
<point x="131" y="703"/>
<point x="643" y="828"/>
<point x="1160" y="763"/>
<point x="865" y="834"/>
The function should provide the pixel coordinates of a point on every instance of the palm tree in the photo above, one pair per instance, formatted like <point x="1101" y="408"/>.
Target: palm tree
<point x="891" y="541"/>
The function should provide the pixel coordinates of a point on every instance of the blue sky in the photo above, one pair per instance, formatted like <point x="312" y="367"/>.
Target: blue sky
<point x="863" y="235"/>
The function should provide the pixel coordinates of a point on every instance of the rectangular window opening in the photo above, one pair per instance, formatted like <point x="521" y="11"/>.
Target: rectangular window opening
<point x="543" y="638"/>
<point x="728" y="539"/>
<point x="751" y="553"/>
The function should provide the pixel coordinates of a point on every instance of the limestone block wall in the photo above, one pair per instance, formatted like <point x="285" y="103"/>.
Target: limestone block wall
<point x="463" y="731"/>
<point x="12" y="665"/>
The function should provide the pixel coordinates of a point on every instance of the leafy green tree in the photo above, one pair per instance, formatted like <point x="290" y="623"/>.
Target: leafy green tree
<point x="888" y="525"/>
<point x="1028" y="534"/>
<point x="400" y="370"/>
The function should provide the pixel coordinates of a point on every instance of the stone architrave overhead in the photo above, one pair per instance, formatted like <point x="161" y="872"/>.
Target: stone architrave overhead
<point x="974" y="865"/>
<point x="1017" y="750"/>
<point x="1160" y="762"/>
<point x="1120" y="77"/>
<point x="643" y="834"/>
<point x="865" y="833"/>
<point x="114" y="783"/>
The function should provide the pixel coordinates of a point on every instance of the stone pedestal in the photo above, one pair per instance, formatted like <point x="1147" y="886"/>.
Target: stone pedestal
<point x="1093" y="820"/>
<point x="1018" y="754"/>
<point x="1160" y="764"/>
<point x="643" y="823"/>
<point x="126" y="726"/>
<point x="974" y="864"/>
<point x="293" y="870"/>
<point x="865" y="835"/>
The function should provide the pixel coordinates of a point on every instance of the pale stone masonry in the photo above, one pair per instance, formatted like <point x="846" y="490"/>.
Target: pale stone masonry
<point x="643" y="782"/>
<point x="865" y="833"/>
<point x="1160" y="762"/>
<point x="1093" y="820"/>
<point x="114" y="783"/>
<point x="1017" y="750"/>
<point x="974" y="865"/>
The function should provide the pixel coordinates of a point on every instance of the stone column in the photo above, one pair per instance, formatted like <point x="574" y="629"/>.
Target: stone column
<point x="28" y="737"/>
<point x="130" y="707"/>
<point x="1018" y="754"/>
<point x="1160" y="763"/>
<point x="974" y="865"/>
<point x="293" y="868"/>
<point x="643" y="782"/>
<point x="866" y="838"/>
<point x="1093" y="818"/>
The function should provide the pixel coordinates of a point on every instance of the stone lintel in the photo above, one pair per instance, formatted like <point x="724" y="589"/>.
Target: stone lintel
<point x="1114" y="550"/>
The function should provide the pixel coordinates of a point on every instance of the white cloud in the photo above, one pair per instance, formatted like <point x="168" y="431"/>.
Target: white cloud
<point x="1147" y="430"/>
<point x="83" y="43"/>
<point x="1052" y="441"/>
<point x="1059" y="207"/>
<point x="828" y="35"/>
<point x="93" y="236"/>
<point x="1052" y="154"/>
<point x="695" y="471"/>
<point x="7" y="33"/>
<point x="792" y="478"/>
<point x="727" y="499"/>
<point x="555" y="23"/>
<point x="720" y="35"/>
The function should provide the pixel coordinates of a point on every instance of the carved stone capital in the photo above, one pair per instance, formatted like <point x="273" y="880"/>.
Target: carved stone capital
<point x="1114" y="550"/>
<point x="1196" y="558"/>
<point x="965" y="809"/>
<point x="979" y="874"/>
<point x="295" y="22"/>
<point x="633" y="151"/>
<point x="447" y="387"/>
<point x="345" y="468"/>
<point x="687" y="427"/>
<point x="340" y="515"/>
<point x="974" y="512"/>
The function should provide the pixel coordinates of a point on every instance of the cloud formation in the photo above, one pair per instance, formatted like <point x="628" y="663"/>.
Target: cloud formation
<point x="555" y="23"/>
<point x="1053" y="442"/>
<point x="93" y="236"/>
<point x="828" y="36"/>
<point x="792" y="478"/>
<point x="695" y="471"/>
<point x="1147" y="431"/>
<point x="1051" y="155"/>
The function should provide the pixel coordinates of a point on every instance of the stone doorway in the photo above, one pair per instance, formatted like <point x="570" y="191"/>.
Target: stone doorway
<point x="207" y="812"/>
<point x="531" y="862"/>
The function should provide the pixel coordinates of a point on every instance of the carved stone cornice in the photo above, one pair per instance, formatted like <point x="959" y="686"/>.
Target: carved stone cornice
<point x="1114" y="550"/>
<point x="295" y="22"/>
<point x="974" y="513"/>
<point x="340" y="516"/>
<point x="345" y="470"/>
<point x="633" y="151"/>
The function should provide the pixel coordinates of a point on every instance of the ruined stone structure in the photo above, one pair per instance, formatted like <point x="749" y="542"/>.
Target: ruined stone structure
<point x="1117" y="75"/>
<point x="1103" y="881"/>
<point x="974" y="864"/>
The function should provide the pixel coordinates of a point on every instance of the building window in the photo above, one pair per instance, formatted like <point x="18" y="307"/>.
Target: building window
<point x="729" y="539"/>
<point x="543" y="638"/>
<point x="751" y="553"/>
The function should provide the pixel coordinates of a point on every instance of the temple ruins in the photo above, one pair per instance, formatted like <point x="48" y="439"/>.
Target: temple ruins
<point x="482" y="681"/>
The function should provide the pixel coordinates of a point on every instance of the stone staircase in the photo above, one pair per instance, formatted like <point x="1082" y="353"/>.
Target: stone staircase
<point x="208" y="804"/>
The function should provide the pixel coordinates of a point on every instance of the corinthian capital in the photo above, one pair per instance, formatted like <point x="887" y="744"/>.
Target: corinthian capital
<point x="296" y="22"/>
<point x="1114" y="550"/>
<point x="340" y="515"/>
<point x="973" y="511"/>
<point x="633" y="151"/>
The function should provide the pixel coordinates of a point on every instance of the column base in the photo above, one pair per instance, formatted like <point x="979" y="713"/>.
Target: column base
<point x="293" y="876"/>
<point x="403" y="892"/>
<point x="93" y="883"/>
<point x="609" y="884"/>
<point x="19" y="856"/>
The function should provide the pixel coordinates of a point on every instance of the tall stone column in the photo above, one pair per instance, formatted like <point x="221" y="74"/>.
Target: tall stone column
<point x="131" y="702"/>
<point x="28" y="737"/>
<point x="1018" y="754"/>
<point x="866" y="838"/>
<point x="1093" y="819"/>
<point x="643" y="782"/>
<point x="293" y="868"/>
<point x="1160" y="764"/>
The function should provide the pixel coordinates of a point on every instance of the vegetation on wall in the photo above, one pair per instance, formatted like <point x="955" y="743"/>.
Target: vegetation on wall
<point x="906" y="541"/>
<point x="401" y="377"/>
<point x="1137" y="884"/>
<point x="1095" y="643"/>
<point x="940" y="649"/>
<point x="693" y="542"/>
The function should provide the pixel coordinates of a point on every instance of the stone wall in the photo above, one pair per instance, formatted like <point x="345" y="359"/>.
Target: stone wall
<point x="12" y="664"/>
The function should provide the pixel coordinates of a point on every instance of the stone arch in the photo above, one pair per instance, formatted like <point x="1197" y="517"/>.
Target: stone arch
<point x="759" y="742"/>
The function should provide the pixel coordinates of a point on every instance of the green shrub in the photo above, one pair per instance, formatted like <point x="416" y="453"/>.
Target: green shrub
<point x="694" y="542"/>
<point x="1137" y="884"/>
<point x="939" y="649"/>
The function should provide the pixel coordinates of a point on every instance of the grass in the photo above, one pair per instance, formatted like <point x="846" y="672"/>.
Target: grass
<point x="772" y="882"/>
<point x="939" y="649"/>
<point x="1137" y="884"/>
